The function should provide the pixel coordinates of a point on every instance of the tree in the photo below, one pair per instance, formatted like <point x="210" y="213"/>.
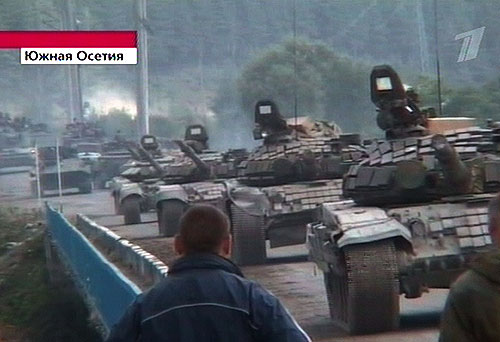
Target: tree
<point x="327" y="86"/>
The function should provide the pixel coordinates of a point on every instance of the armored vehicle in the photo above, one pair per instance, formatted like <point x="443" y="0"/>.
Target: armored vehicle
<point x="418" y="214"/>
<point x="16" y="141"/>
<point x="105" y="159"/>
<point x="136" y="176"/>
<point x="298" y="166"/>
<point x="136" y="188"/>
<point x="73" y="173"/>
<point x="189" y="166"/>
<point x="82" y="132"/>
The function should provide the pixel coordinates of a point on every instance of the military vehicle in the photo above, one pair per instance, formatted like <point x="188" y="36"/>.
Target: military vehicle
<point x="74" y="174"/>
<point x="16" y="141"/>
<point x="280" y="183"/>
<point x="418" y="214"/>
<point x="82" y="132"/>
<point x="194" y="163"/>
<point x="105" y="159"/>
<point x="128" y="189"/>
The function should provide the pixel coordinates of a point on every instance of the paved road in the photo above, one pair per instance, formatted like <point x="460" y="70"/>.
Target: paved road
<point x="297" y="284"/>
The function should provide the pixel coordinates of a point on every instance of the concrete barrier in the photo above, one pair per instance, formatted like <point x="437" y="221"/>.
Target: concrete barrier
<point x="144" y="264"/>
<point x="107" y="290"/>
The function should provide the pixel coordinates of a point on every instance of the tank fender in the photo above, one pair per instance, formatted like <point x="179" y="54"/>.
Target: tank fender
<point x="171" y="192"/>
<point x="367" y="224"/>
<point x="250" y="199"/>
<point x="128" y="190"/>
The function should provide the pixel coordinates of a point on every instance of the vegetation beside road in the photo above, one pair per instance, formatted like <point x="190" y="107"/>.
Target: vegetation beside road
<point x="31" y="309"/>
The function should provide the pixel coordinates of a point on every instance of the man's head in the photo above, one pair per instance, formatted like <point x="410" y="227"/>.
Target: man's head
<point x="494" y="219"/>
<point x="204" y="229"/>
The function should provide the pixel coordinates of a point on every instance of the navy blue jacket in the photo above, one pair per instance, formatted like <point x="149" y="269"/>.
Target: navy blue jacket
<point x="206" y="298"/>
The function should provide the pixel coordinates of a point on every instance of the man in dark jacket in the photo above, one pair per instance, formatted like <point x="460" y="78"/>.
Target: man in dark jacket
<point x="472" y="311"/>
<point x="205" y="296"/>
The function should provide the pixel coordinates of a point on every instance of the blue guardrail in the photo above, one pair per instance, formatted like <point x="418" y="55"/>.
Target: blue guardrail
<point x="106" y="287"/>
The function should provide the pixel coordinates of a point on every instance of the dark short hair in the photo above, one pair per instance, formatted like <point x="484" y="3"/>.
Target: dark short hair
<point x="203" y="228"/>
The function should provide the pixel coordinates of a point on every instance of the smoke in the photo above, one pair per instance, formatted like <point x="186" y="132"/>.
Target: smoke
<point x="102" y="100"/>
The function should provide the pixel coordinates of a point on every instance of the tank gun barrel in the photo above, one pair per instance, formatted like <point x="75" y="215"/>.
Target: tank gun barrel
<point x="454" y="169"/>
<point x="152" y="161"/>
<point x="135" y="155"/>
<point x="189" y="152"/>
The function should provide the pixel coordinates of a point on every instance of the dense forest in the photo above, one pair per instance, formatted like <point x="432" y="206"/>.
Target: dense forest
<point x="211" y="59"/>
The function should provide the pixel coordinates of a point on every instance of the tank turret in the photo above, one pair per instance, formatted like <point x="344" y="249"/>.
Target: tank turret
<point x="398" y="113"/>
<point x="196" y="137"/>
<point x="149" y="143"/>
<point x="203" y="167"/>
<point x="298" y="150"/>
<point x="269" y="124"/>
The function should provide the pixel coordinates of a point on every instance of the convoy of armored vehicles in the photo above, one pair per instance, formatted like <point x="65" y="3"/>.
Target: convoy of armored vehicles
<point x="399" y="216"/>
<point x="272" y="193"/>
<point x="136" y="189"/>
<point x="418" y="214"/>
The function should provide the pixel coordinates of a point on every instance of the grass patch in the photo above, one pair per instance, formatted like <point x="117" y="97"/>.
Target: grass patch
<point x="13" y="224"/>
<point x="28" y="302"/>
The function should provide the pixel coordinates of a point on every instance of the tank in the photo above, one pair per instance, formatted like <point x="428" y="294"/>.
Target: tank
<point x="136" y="177"/>
<point x="277" y="187"/>
<point x="74" y="174"/>
<point x="418" y="214"/>
<point x="107" y="162"/>
<point x="151" y="170"/>
<point x="16" y="143"/>
<point x="82" y="132"/>
<point x="197" y="171"/>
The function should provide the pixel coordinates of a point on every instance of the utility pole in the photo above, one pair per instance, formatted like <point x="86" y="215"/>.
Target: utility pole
<point x="422" y="37"/>
<point x="75" y="94"/>
<point x="142" y="68"/>
<point x="39" y="79"/>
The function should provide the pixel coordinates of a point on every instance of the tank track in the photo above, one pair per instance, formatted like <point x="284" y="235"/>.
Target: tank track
<point x="249" y="237"/>
<point x="365" y="298"/>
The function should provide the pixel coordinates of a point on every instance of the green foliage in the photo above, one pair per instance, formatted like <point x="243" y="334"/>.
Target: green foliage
<point x="479" y="102"/>
<point x="118" y="120"/>
<point x="12" y="223"/>
<point x="327" y="86"/>
<point x="42" y="312"/>
<point x="27" y="301"/>
<point x="218" y="37"/>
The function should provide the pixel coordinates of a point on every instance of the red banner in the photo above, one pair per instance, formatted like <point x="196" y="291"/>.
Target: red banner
<point x="67" y="39"/>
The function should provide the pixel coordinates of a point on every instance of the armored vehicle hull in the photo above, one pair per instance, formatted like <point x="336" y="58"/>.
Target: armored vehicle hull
<point x="418" y="214"/>
<point x="369" y="256"/>
<point x="275" y="213"/>
<point x="16" y="160"/>
<point x="74" y="176"/>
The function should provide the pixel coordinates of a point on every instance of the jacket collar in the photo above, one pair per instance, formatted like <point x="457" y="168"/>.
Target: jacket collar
<point x="488" y="265"/>
<point x="204" y="261"/>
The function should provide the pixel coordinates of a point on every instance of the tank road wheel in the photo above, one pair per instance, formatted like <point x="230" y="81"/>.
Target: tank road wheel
<point x="249" y="238"/>
<point x="169" y="216"/>
<point x="366" y="298"/>
<point x="131" y="209"/>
